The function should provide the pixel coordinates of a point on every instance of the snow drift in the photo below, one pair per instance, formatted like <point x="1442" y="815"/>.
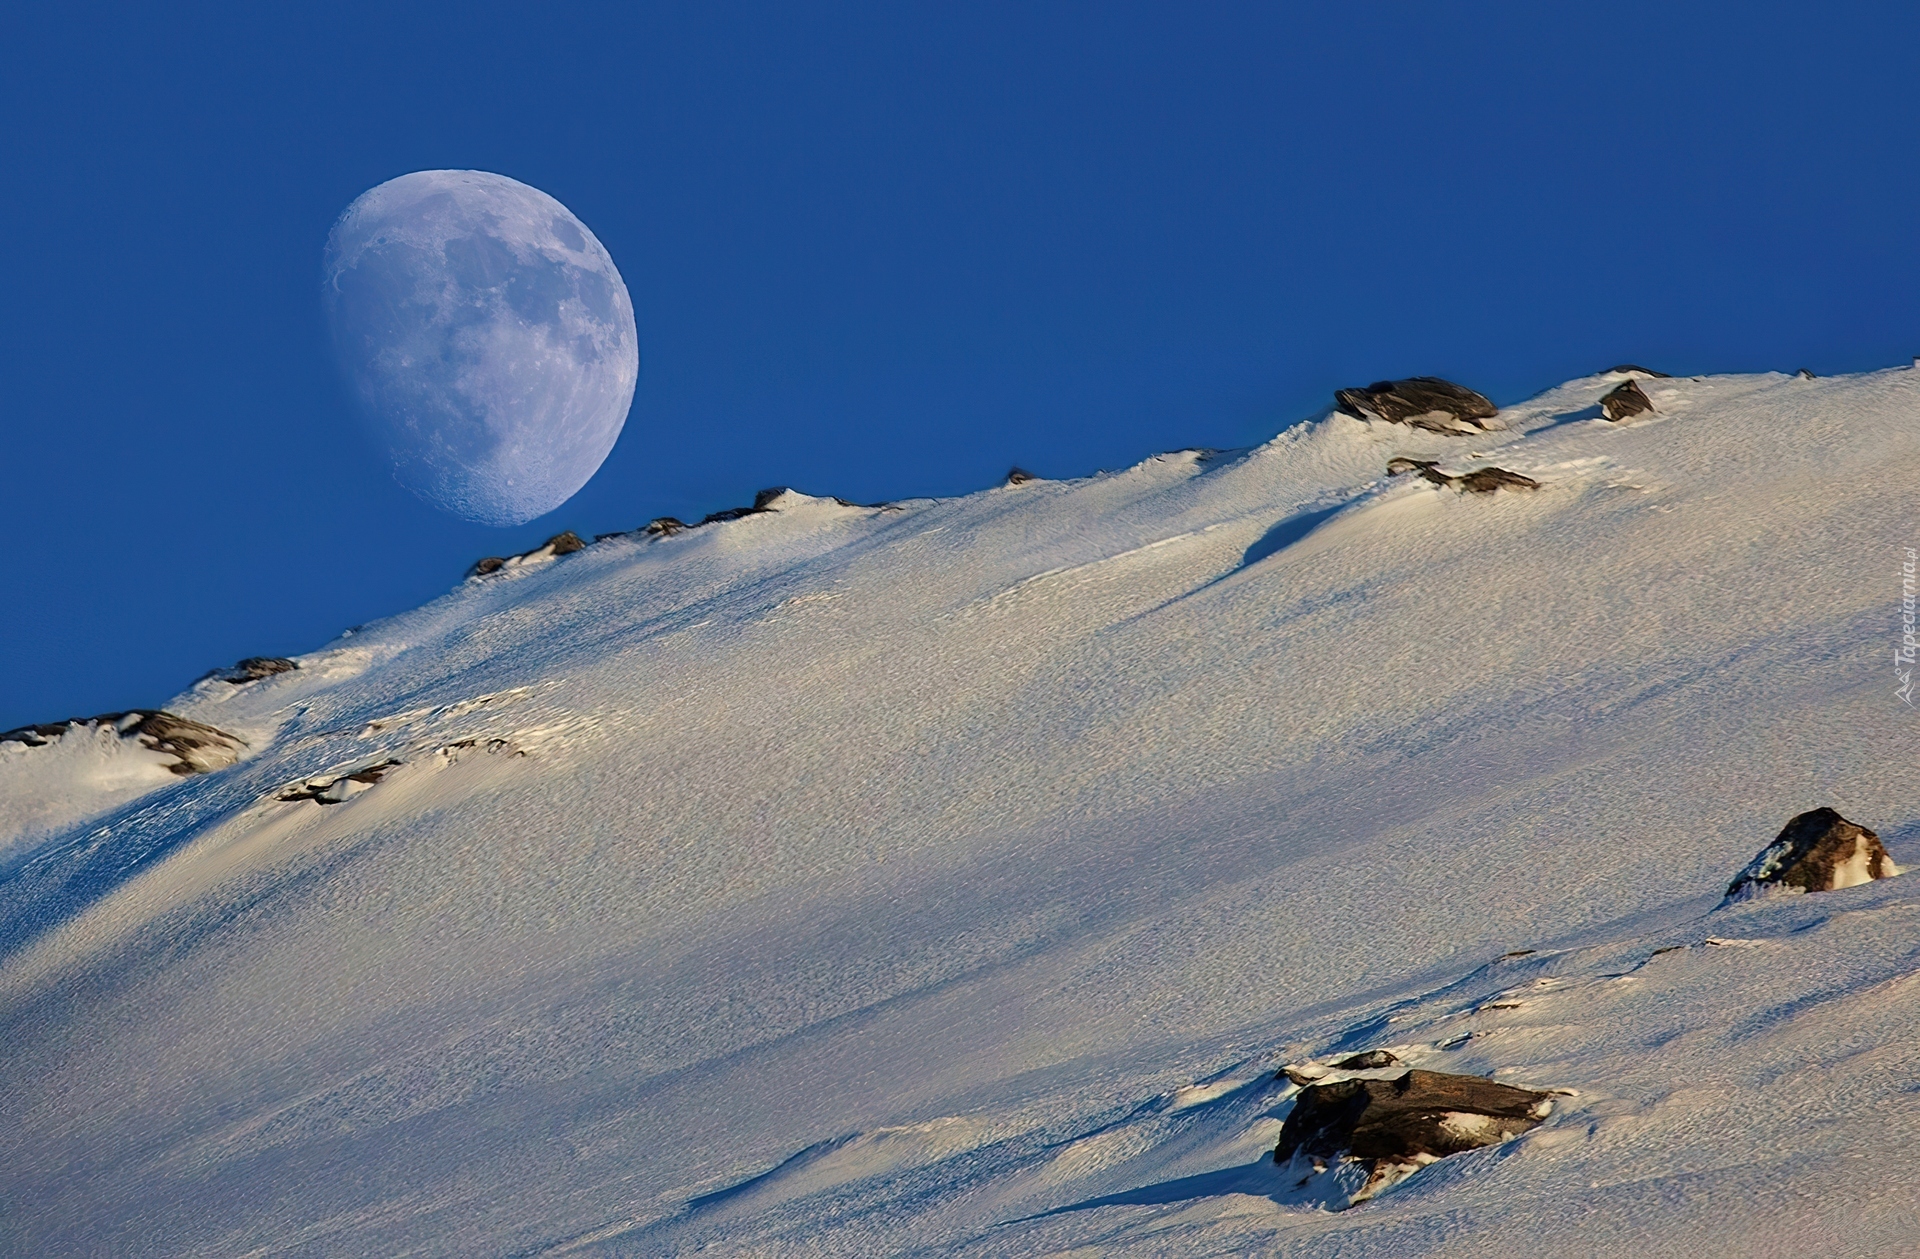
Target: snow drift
<point x="955" y="876"/>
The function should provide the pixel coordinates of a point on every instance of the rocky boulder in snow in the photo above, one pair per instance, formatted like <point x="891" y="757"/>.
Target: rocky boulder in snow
<point x="1487" y="480"/>
<point x="559" y="544"/>
<point x="1427" y="402"/>
<point x="252" y="669"/>
<point x="1370" y="1060"/>
<point x="1392" y="1128"/>
<point x="760" y="502"/>
<point x="196" y="748"/>
<point x="1017" y="475"/>
<point x="336" y="788"/>
<point x="1624" y="401"/>
<point x="1484" y="481"/>
<point x="1818" y="851"/>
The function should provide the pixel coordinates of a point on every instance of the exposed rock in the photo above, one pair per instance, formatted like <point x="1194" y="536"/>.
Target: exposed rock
<point x="252" y="669"/>
<point x="725" y="514"/>
<point x="765" y="501"/>
<point x="1817" y="851"/>
<point x="1804" y="374"/>
<point x="1395" y="1127"/>
<point x="338" y="788"/>
<point x="1484" y="481"/>
<point x="1644" y="371"/>
<point x="196" y="748"/>
<point x="559" y="544"/>
<point x="1017" y="475"/>
<point x="1427" y="468"/>
<point x="1428" y="402"/>
<point x="1371" y="1060"/>
<point x="1487" y="480"/>
<point x="1624" y="401"/>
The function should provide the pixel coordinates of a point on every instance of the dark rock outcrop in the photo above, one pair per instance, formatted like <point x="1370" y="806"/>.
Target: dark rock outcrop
<point x="197" y="748"/>
<point x="1429" y="469"/>
<point x="1370" y="1060"/>
<point x="1484" y="481"/>
<point x="1017" y="475"/>
<point x="338" y="788"/>
<point x="1487" y="480"/>
<point x="761" y="503"/>
<point x="1394" y="1127"/>
<point x="1804" y="374"/>
<point x="1625" y="400"/>
<point x="1818" y="851"/>
<point x="559" y="544"/>
<point x="764" y="501"/>
<point x="252" y="669"/>
<point x="1427" y="402"/>
<point x="1644" y="371"/>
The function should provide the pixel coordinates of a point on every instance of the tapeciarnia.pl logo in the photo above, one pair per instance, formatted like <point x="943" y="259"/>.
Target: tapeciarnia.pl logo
<point x="1904" y="653"/>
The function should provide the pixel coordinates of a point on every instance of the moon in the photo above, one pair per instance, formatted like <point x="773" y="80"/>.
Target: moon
<point x="486" y="336"/>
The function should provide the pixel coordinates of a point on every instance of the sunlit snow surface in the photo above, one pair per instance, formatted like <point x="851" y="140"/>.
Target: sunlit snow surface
<point x="952" y="878"/>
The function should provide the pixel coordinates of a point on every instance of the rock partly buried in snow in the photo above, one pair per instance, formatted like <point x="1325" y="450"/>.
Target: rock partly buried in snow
<point x="1428" y="402"/>
<point x="1392" y="1128"/>
<point x="1017" y="475"/>
<point x="253" y="668"/>
<point x="196" y="748"/>
<point x="559" y="544"/>
<point x="1487" y="480"/>
<point x="1817" y="851"/>
<point x="1484" y="481"/>
<point x="1370" y="1060"/>
<point x="1624" y="401"/>
<point x="338" y="788"/>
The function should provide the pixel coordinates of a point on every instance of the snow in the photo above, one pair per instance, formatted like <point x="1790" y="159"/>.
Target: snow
<point x="954" y="877"/>
<point x="73" y="776"/>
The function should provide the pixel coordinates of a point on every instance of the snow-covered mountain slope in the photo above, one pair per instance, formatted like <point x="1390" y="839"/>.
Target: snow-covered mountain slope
<point x="952" y="877"/>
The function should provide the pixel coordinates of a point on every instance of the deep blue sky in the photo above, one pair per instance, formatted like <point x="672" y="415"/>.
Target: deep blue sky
<point x="877" y="251"/>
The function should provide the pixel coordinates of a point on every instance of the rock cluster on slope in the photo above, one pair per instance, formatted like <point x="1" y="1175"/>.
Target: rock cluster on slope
<point x="1818" y="851"/>
<point x="197" y="748"/>
<point x="1427" y="402"/>
<point x="559" y="544"/>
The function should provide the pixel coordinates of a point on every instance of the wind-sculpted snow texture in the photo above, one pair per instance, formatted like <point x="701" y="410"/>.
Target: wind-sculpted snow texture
<point x="953" y="877"/>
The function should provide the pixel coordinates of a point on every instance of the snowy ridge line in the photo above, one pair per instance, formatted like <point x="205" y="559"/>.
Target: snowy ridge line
<point x="759" y="893"/>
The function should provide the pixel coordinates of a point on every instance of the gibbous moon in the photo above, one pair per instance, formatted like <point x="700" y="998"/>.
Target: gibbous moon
<point x="487" y="337"/>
